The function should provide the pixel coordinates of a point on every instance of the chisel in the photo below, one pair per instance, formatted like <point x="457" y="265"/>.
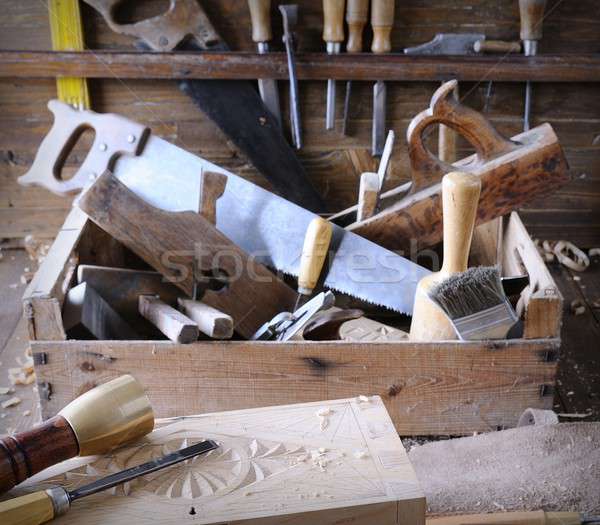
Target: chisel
<point x="45" y="505"/>
<point x="382" y="20"/>
<point x="260" y="14"/>
<point x="357" y="12"/>
<point x="333" y="35"/>
<point x="532" y="16"/>
<point x="314" y="251"/>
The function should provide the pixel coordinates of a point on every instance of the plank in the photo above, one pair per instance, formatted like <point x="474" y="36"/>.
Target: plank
<point x="279" y="464"/>
<point x="454" y="388"/>
<point x="316" y="66"/>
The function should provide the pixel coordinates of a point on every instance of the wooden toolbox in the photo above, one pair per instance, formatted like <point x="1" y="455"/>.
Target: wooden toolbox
<point x="428" y="388"/>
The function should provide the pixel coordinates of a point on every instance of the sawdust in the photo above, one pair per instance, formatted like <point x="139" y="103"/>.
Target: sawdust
<point x="553" y="467"/>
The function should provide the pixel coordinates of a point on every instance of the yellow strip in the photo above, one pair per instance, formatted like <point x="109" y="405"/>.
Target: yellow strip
<point x="67" y="35"/>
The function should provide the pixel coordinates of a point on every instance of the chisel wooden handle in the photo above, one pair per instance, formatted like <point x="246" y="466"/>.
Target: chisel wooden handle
<point x="100" y="420"/>
<point x="30" y="452"/>
<point x="314" y="252"/>
<point x="511" y="518"/>
<point x="496" y="46"/>
<point x="31" y="509"/>
<point x="382" y="20"/>
<point x="260" y="15"/>
<point x="532" y="15"/>
<point x="333" y="20"/>
<point x="357" y="12"/>
<point x="368" y="193"/>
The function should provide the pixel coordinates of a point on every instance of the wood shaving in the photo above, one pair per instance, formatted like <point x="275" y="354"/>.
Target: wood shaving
<point x="27" y="413"/>
<point x="13" y="401"/>
<point x="577" y="307"/>
<point x="363" y="399"/>
<point x="4" y="390"/>
<point x="594" y="252"/>
<point x="326" y="411"/>
<point x="571" y="256"/>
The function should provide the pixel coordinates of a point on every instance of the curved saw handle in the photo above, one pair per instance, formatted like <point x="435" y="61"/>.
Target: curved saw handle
<point x="164" y="32"/>
<point x="114" y="136"/>
<point x="445" y="109"/>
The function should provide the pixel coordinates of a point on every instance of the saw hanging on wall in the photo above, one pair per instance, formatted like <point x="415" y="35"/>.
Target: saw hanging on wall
<point x="264" y="225"/>
<point x="234" y="106"/>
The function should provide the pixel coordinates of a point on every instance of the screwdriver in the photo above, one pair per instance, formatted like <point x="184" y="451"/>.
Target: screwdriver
<point x="314" y="251"/>
<point x="357" y="12"/>
<point x="333" y="35"/>
<point x="532" y="16"/>
<point x="45" y="505"/>
<point x="382" y="20"/>
<point x="260" y="15"/>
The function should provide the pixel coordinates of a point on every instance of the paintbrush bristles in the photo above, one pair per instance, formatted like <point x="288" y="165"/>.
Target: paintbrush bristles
<point x="469" y="292"/>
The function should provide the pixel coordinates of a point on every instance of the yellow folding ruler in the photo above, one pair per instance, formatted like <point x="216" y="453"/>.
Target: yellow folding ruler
<point x="67" y="35"/>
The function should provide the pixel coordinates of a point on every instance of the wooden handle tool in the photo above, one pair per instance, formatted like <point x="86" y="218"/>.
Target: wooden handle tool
<point x="260" y="15"/>
<point x="96" y="422"/>
<point x="177" y="327"/>
<point x="532" y="16"/>
<point x="496" y="46"/>
<point x="314" y="252"/>
<point x="382" y="21"/>
<point x="460" y="195"/>
<point x="368" y="194"/>
<point x="210" y="321"/>
<point x="357" y="12"/>
<point x="512" y="518"/>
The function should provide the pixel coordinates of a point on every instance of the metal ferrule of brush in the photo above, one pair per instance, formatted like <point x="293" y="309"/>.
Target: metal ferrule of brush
<point x="530" y="47"/>
<point x="493" y="323"/>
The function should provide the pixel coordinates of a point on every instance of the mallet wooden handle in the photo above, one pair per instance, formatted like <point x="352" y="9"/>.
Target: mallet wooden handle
<point x="532" y="15"/>
<point x="460" y="196"/>
<point x="496" y="46"/>
<point x="382" y="20"/>
<point x="31" y="509"/>
<point x="333" y="20"/>
<point x="30" y="452"/>
<point x="314" y="252"/>
<point x="260" y="15"/>
<point x="357" y="12"/>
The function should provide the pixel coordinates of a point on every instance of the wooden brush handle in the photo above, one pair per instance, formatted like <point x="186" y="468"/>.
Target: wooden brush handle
<point x="460" y="195"/>
<point x="27" y="453"/>
<point x="382" y="20"/>
<point x="260" y="15"/>
<point x="357" y="12"/>
<point x="532" y="16"/>
<point x="314" y="252"/>
<point x="333" y="20"/>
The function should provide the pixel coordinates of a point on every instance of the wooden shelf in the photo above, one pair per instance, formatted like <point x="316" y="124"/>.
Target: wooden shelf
<point x="310" y="66"/>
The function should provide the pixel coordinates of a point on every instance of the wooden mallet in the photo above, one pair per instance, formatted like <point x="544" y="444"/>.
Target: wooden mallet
<point x="98" y="421"/>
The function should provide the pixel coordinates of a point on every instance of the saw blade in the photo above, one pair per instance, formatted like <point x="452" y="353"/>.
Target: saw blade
<point x="270" y="228"/>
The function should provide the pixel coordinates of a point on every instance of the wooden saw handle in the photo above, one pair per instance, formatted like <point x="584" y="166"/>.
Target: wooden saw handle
<point x="316" y="244"/>
<point x="30" y="452"/>
<point x="357" y="12"/>
<point x="532" y="16"/>
<point x="496" y="46"/>
<point x="333" y="20"/>
<point x="382" y="21"/>
<point x="31" y="509"/>
<point x="260" y="15"/>
<point x="114" y="136"/>
<point x="446" y="109"/>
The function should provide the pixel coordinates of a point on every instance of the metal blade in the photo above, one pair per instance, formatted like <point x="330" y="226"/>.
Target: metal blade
<point x="527" y="111"/>
<point x="346" y="107"/>
<point x="379" y="103"/>
<point x="447" y="44"/>
<point x="268" y="227"/>
<point x="267" y="87"/>
<point x="143" y="469"/>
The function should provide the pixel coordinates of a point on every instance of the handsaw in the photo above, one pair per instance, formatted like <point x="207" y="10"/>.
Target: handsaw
<point x="268" y="227"/>
<point x="234" y="106"/>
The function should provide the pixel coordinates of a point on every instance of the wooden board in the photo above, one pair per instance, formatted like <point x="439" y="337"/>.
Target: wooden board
<point x="441" y="388"/>
<point x="274" y="465"/>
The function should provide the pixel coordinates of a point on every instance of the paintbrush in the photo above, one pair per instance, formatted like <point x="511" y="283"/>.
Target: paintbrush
<point x="475" y="302"/>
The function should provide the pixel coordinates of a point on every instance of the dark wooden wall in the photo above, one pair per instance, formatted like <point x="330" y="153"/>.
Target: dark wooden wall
<point x="334" y="162"/>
